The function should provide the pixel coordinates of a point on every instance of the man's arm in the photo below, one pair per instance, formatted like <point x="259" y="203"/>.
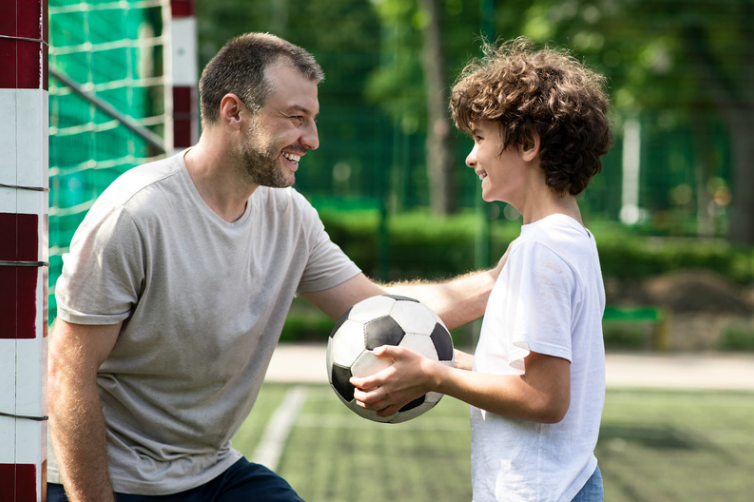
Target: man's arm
<point x="457" y="301"/>
<point x="77" y="425"/>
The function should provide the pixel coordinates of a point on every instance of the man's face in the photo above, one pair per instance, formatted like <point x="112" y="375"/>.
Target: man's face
<point x="283" y="130"/>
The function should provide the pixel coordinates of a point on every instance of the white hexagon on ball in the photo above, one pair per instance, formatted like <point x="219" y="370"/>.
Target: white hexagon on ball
<point x="413" y="319"/>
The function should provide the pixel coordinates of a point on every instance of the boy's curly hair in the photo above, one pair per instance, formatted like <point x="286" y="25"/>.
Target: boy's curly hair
<point x="544" y="91"/>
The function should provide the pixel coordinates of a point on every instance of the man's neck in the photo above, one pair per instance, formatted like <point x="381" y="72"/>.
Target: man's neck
<point x="218" y="181"/>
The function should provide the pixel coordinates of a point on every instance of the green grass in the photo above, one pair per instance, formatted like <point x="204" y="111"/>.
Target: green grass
<point x="654" y="446"/>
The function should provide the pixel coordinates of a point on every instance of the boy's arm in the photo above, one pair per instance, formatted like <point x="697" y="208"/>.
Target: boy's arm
<point x="541" y="394"/>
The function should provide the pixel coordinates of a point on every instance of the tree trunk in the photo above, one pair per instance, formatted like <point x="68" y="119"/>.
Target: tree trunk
<point x="740" y="120"/>
<point x="735" y="103"/>
<point x="740" y="126"/>
<point x="703" y="168"/>
<point x="439" y="145"/>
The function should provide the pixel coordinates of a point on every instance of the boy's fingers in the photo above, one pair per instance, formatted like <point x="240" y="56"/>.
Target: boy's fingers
<point x="386" y="351"/>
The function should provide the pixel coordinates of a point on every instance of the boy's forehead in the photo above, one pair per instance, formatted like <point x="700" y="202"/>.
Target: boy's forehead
<point x="483" y="125"/>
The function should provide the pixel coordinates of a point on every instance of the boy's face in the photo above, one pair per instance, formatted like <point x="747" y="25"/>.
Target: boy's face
<point x="503" y="175"/>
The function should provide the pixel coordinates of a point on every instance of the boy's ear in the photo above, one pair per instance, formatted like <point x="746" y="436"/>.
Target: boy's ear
<point x="530" y="148"/>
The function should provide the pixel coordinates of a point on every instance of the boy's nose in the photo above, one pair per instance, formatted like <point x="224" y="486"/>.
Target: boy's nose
<point x="471" y="158"/>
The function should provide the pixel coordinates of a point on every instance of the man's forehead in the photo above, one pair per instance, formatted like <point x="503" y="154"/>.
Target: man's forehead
<point x="292" y="91"/>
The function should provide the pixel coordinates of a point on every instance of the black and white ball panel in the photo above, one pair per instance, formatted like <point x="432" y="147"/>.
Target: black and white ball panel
<point x="384" y="320"/>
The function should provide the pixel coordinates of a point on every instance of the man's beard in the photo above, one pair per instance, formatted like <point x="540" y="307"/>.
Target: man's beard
<point x="261" y="162"/>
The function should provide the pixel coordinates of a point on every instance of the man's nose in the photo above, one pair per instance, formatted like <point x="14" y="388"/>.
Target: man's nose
<point x="310" y="137"/>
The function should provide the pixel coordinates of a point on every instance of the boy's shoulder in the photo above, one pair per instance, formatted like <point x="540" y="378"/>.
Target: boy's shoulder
<point x="559" y="235"/>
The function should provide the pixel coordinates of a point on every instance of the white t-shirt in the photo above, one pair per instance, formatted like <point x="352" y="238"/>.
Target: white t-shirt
<point x="202" y="301"/>
<point x="549" y="299"/>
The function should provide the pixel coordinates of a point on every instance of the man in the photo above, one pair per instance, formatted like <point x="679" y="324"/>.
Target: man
<point x="177" y="285"/>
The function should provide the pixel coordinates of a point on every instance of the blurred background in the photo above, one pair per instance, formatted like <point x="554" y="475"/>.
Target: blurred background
<point x="672" y="210"/>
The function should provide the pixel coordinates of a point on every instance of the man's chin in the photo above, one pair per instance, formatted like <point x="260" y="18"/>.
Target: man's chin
<point x="278" y="183"/>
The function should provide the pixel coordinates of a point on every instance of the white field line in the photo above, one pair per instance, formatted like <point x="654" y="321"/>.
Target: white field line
<point x="355" y="422"/>
<point x="275" y="436"/>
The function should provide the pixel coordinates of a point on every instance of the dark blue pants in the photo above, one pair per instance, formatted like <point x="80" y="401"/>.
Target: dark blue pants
<point x="242" y="482"/>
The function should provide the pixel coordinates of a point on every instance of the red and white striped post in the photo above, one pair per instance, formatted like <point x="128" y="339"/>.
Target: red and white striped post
<point x="184" y="74"/>
<point x="23" y="249"/>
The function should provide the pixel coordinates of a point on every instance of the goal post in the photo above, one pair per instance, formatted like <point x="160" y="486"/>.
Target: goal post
<point x="24" y="191"/>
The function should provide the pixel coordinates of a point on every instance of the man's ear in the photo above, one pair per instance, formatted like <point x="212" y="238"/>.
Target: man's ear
<point x="231" y="109"/>
<point x="530" y="148"/>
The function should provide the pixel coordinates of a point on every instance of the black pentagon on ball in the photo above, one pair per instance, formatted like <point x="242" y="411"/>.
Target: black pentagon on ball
<point x="340" y="322"/>
<point x="382" y="331"/>
<point x="413" y="404"/>
<point x="443" y="343"/>
<point x="341" y="382"/>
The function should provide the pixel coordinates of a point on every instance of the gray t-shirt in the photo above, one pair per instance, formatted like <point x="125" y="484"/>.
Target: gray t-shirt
<point x="202" y="302"/>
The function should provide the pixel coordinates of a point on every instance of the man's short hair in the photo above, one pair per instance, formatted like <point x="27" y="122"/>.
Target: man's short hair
<point x="239" y="68"/>
<point x="545" y="91"/>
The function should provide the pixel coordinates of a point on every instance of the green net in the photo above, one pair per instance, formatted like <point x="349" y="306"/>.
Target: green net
<point x="113" y="53"/>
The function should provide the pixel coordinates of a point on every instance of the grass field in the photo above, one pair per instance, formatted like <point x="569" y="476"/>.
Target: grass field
<point x="655" y="446"/>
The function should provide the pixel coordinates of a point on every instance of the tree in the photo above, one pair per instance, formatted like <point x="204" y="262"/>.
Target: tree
<point x="440" y="145"/>
<point x="727" y="79"/>
<point x="425" y="43"/>
<point x="695" y="64"/>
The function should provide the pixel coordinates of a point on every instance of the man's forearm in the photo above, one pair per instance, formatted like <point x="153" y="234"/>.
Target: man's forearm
<point x="77" y="427"/>
<point x="458" y="301"/>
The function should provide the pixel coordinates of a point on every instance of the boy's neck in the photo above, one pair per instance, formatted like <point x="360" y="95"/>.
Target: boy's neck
<point x="552" y="203"/>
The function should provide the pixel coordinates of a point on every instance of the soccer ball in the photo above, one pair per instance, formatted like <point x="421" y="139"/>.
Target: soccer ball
<point x="384" y="320"/>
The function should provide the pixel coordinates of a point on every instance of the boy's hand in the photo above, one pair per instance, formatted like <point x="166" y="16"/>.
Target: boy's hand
<point x="389" y="390"/>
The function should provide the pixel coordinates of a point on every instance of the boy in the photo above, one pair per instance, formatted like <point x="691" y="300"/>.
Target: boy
<point x="536" y="385"/>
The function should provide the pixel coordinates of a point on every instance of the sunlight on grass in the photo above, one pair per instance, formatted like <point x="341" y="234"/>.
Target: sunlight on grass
<point x="655" y="446"/>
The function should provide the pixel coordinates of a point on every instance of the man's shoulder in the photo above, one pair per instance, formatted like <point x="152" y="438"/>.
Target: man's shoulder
<point x="139" y="178"/>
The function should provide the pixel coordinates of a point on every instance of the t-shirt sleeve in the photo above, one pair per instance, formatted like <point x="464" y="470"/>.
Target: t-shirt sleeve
<point x="327" y="265"/>
<point x="103" y="273"/>
<point x="540" y="307"/>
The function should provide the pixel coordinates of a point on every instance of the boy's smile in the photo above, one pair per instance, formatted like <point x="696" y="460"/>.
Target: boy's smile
<point x="502" y="173"/>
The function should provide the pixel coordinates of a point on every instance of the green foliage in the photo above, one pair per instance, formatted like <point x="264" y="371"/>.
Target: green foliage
<point x="738" y="339"/>
<point x="421" y="245"/>
<point x="306" y="327"/>
<point x="373" y="101"/>
<point x="627" y="335"/>
<point x="397" y="84"/>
